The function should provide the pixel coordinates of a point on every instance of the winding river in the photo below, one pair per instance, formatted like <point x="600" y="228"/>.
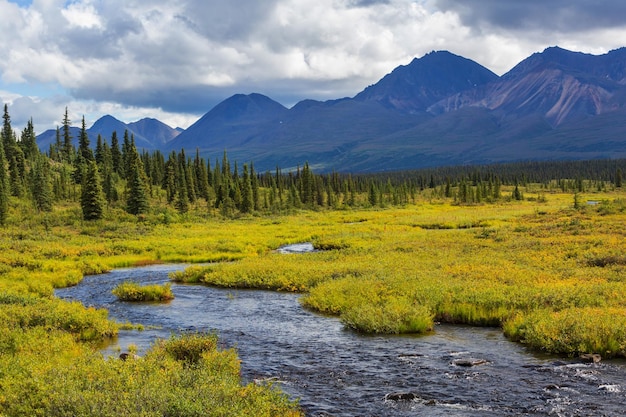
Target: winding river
<point x="457" y="371"/>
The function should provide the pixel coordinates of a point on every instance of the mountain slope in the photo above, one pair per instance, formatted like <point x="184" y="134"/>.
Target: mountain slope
<point x="229" y="124"/>
<point x="149" y="134"/>
<point x="561" y="85"/>
<point x="425" y="81"/>
<point x="256" y="128"/>
<point x="157" y="132"/>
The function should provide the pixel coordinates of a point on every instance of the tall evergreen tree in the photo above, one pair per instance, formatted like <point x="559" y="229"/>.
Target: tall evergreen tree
<point x="4" y="187"/>
<point x="169" y="178"/>
<point x="14" y="156"/>
<point x="116" y="154"/>
<point x="41" y="185"/>
<point x="92" y="196"/>
<point x="8" y="137"/>
<point x="372" y="196"/>
<point x="99" y="154"/>
<point x="247" y="203"/>
<point x="255" y="187"/>
<point x="306" y="191"/>
<point x="83" y="143"/>
<point x="182" y="200"/>
<point x="28" y="141"/>
<point x="56" y="149"/>
<point x="137" y="201"/>
<point x="126" y="155"/>
<point x="68" y="147"/>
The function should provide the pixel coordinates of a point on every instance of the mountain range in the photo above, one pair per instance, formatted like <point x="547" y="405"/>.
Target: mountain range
<point x="150" y="134"/>
<point x="441" y="109"/>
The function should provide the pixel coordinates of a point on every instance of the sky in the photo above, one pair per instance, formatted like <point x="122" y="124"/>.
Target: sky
<point x="175" y="60"/>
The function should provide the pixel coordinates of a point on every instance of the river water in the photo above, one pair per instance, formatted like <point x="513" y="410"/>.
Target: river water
<point x="335" y="372"/>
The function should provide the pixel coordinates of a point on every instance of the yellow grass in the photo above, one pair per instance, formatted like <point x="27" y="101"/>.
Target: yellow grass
<point x="551" y="276"/>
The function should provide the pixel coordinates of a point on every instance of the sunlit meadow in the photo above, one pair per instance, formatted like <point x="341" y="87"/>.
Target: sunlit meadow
<point x="552" y="276"/>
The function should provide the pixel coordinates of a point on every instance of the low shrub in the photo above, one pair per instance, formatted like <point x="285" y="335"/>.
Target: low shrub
<point x="132" y="291"/>
<point x="189" y="348"/>
<point x="572" y="331"/>
<point x="393" y="316"/>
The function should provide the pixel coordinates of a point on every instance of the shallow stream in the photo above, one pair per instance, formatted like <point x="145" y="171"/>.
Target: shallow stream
<point x="335" y="372"/>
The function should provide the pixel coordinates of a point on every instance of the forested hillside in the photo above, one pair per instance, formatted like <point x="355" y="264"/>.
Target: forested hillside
<point x="119" y="176"/>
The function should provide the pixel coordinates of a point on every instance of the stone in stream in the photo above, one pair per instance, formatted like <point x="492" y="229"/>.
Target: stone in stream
<point x="590" y="358"/>
<point x="400" y="396"/>
<point x="126" y="356"/>
<point x="467" y="363"/>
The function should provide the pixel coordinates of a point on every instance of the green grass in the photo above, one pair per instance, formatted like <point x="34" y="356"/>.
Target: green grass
<point x="132" y="291"/>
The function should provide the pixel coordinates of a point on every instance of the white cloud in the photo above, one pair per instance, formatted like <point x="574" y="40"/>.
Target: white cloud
<point x="184" y="57"/>
<point x="82" y="16"/>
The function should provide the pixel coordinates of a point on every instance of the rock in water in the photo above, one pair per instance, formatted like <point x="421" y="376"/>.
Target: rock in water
<point x="590" y="357"/>
<point x="469" y="362"/>
<point x="400" y="396"/>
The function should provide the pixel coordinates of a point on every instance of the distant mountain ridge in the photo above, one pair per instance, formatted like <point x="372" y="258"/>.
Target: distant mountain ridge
<point x="560" y="84"/>
<point x="441" y="109"/>
<point x="425" y="81"/>
<point x="149" y="134"/>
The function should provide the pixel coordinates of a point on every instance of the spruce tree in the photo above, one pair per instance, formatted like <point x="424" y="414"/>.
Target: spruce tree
<point x="14" y="156"/>
<point x="28" y="141"/>
<point x="137" y="201"/>
<point x="169" y="179"/>
<point x="8" y="137"/>
<point x="182" y="200"/>
<point x="110" y="187"/>
<point x="247" y="203"/>
<point x="92" y="196"/>
<point x="4" y="187"/>
<point x="56" y="149"/>
<point x="255" y="187"/>
<point x="83" y="143"/>
<point x="41" y="186"/>
<point x="99" y="154"/>
<point x="372" y="197"/>
<point x="68" y="147"/>
<point x="116" y="154"/>
<point x="126" y="156"/>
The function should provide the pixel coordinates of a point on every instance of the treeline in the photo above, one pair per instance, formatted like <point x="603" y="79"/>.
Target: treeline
<point x="564" y="173"/>
<point x="114" y="173"/>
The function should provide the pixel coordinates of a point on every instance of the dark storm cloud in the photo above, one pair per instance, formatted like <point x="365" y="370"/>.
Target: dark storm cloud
<point x="226" y="20"/>
<point x="561" y="15"/>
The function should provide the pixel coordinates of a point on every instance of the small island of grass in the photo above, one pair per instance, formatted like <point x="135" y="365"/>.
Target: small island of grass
<point x="132" y="291"/>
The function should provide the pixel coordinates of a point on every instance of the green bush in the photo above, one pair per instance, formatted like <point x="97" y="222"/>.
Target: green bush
<point x="393" y="316"/>
<point x="132" y="291"/>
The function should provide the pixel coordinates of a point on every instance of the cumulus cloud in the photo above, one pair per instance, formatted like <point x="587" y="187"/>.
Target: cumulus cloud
<point x="184" y="57"/>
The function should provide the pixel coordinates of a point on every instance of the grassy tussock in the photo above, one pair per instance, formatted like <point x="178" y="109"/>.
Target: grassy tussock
<point x="163" y="383"/>
<point x="572" y="330"/>
<point x="132" y="291"/>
